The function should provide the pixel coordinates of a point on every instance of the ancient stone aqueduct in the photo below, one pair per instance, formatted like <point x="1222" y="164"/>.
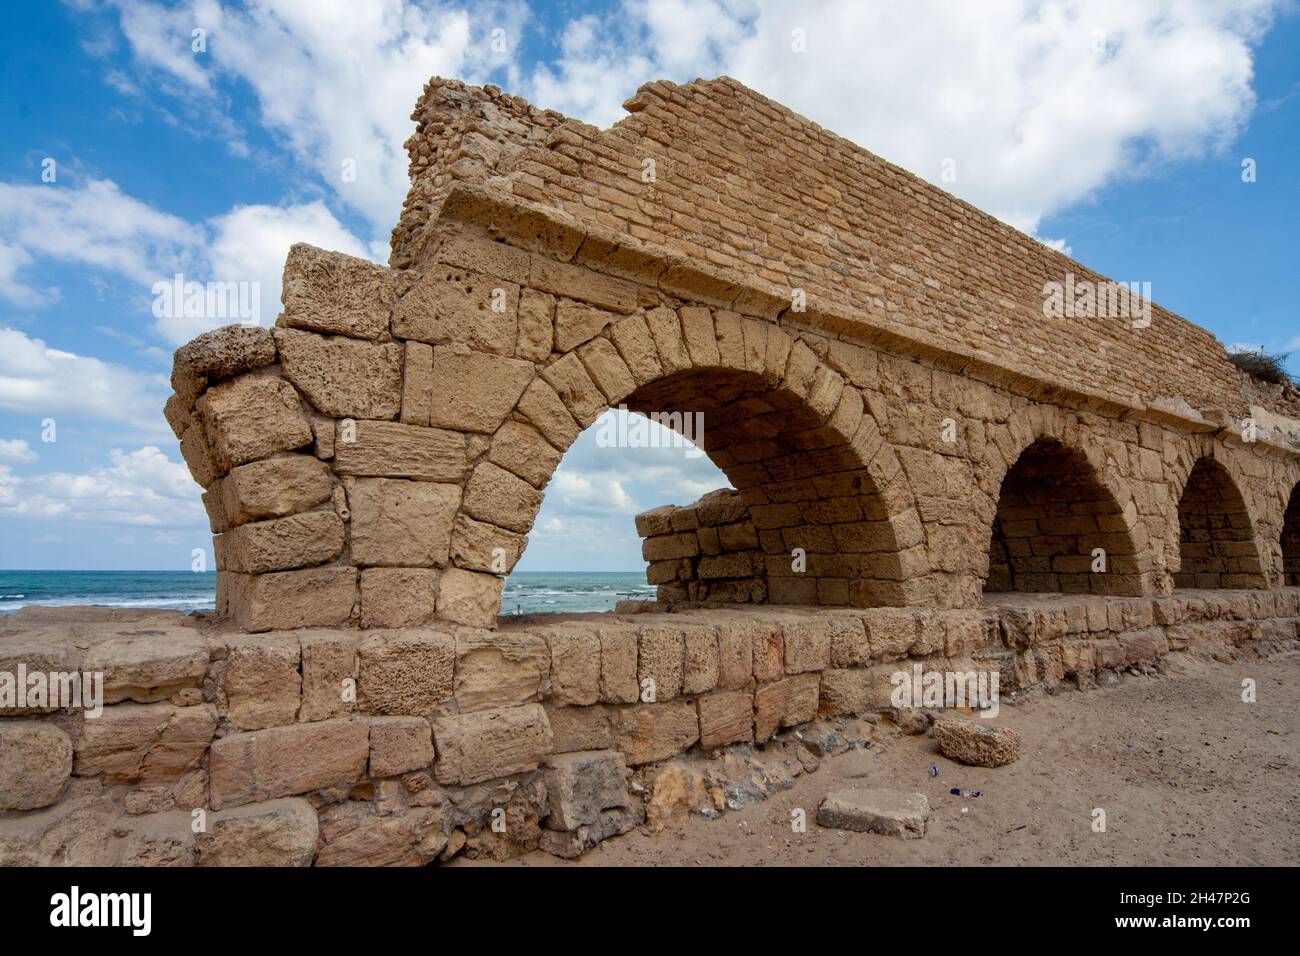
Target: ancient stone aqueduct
<point x="972" y="485"/>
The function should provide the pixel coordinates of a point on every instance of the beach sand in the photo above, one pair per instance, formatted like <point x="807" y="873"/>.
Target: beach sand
<point x="1186" y="772"/>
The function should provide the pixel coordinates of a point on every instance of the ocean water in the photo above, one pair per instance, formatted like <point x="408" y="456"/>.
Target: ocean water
<point x="526" y="592"/>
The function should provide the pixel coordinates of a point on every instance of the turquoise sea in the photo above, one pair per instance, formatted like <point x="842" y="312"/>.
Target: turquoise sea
<point x="526" y="592"/>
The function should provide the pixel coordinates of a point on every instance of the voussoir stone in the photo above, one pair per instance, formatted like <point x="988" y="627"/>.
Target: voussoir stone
<point x="343" y="377"/>
<point x="469" y="597"/>
<point x="475" y="390"/>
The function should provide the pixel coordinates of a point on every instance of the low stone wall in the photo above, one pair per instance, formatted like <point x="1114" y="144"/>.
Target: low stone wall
<point x="704" y="552"/>
<point x="411" y="745"/>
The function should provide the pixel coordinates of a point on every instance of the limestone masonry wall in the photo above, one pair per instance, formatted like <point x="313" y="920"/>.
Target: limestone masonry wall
<point x="405" y="746"/>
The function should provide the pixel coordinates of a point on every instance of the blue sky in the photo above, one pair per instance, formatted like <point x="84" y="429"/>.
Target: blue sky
<point x="1111" y="129"/>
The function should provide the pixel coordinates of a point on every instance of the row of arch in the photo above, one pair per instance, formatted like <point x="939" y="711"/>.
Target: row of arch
<point x="1057" y="525"/>
<point x="802" y="446"/>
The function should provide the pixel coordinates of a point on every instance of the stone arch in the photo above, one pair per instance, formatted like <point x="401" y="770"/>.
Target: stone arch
<point x="794" y="438"/>
<point x="1217" y="545"/>
<point x="1049" y="509"/>
<point x="1291" y="540"/>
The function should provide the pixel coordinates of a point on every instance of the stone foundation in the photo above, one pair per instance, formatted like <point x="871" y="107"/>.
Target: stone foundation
<point x="410" y="745"/>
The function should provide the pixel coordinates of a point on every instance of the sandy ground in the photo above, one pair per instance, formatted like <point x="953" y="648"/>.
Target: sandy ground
<point x="1186" y="772"/>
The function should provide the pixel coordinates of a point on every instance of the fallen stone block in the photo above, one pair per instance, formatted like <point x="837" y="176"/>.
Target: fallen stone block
<point x="978" y="745"/>
<point x="888" y="812"/>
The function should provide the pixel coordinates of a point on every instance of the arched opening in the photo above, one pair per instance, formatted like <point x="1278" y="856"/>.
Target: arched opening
<point x="1058" y="529"/>
<point x="821" y="533"/>
<point x="1216" y="542"/>
<point x="805" y="521"/>
<point x="1291" y="540"/>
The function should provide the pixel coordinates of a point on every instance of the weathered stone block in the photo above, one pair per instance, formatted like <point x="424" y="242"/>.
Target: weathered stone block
<point x="343" y="377"/>
<point x="315" y="597"/>
<point x="577" y="322"/>
<point x="977" y="744"/>
<point x="274" y="487"/>
<point x="399" y="745"/>
<point x="499" y="669"/>
<point x="650" y="732"/>
<point x="468" y="597"/>
<point x="785" y="703"/>
<point x="490" y="743"/>
<point x="457" y="306"/>
<point x="329" y="674"/>
<point x="355" y="833"/>
<point x="479" y="546"/>
<point x="398" y="597"/>
<point x="132" y="743"/>
<point x="281" y="544"/>
<point x="661" y="659"/>
<point x="273" y="833"/>
<point x="406" y="672"/>
<point x="521" y="449"/>
<point x="336" y="293"/>
<point x="618" y="664"/>
<point x="35" y="762"/>
<point x="248" y="418"/>
<point x="476" y="391"/>
<point x="263" y="686"/>
<point x="583" y="728"/>
<point x="582" y="784"/>
<point x="286" y="761"/>
<point x="575" y="664"/>
<point x="726" y="717"/>
<point x="699" y="659"/>
<point x="148" y="667"/>
<point x="807" y="645"/>
<point x="396" y="522"/>
<point x="541" y="406"/>
<point x="394" y="450"/>
<point x="227" y="351"/>
<point x="888" y="812"/>
<point x="496" y="496"/>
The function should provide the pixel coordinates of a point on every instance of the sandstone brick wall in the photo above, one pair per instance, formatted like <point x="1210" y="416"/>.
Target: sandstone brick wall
<point x="409" y="745"/>
<point x="707" y="552"/>
<point x="745" y="185"/>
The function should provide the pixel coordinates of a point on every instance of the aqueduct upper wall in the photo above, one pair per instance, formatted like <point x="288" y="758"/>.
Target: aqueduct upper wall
<point x="914" y="423"/>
